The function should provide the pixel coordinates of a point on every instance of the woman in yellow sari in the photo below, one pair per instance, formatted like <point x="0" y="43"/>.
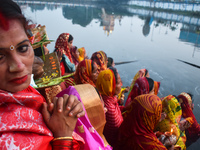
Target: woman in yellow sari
<point x="170" y="124"/>
<point x="82" y="54"/>
<point x="109" y="86"/>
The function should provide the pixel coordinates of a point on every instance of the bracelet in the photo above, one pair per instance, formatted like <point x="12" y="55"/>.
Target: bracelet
<point x="63" y="138"/>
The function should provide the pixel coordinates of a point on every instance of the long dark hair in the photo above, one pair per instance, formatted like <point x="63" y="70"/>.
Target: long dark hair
<point x="70" y="38"/>
<point x="115" y="73"/>
<point x="151" y="83"/>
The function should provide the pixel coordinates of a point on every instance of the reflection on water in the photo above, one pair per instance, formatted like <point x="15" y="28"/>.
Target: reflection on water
<point x="167" y="43"/>
<point x="86" y="13"/>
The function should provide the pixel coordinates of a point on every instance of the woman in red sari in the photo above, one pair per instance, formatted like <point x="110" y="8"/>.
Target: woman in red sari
<point x="193" y="132"/>
<point x="62" y="47"/>
<point x="86" y="72"/>
<point x="140" y="73"/>
<point x="109" y="86"/>
<point x="67" y="66"/>
<point x="100" y="58"/>
<point x="22" y="108"/>
<point x="144" y="73"/>
<point x="142" y="85"/>
<point x="136" y="131"/>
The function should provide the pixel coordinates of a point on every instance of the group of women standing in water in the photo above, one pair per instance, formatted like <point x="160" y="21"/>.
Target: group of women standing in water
<point x="144" y="121"/>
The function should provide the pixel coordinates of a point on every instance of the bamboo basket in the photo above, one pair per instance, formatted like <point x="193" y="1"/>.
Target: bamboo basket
<point x="94" y="107"/>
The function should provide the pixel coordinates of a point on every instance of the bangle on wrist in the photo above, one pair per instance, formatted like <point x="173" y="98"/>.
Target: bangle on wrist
<point x="63" y="138"/>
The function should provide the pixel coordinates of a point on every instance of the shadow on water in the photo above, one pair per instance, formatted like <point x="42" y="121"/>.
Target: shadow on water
<point x="165" y="42"/>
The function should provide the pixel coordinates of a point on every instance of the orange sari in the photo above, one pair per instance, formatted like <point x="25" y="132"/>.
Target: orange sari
<point x="100" y="58"/>
<point x="136" y="131"/>
<point x="83" y="72"/>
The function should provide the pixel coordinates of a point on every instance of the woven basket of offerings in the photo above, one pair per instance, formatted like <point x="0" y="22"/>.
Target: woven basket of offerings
<point x="49" y="86"/>
<point x="51" y="66"/>
<point x="49" y="92"/>
<point x="40" y="37"/>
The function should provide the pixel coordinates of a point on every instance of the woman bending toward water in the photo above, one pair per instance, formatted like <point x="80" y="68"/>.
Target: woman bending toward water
<point x="139" y="74"/>
<point x="172" y="123"/>
<point x="137" y="130"/>
<point x="142" y="85"/>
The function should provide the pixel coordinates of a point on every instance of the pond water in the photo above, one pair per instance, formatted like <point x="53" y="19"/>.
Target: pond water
<point x="157" y="40"/>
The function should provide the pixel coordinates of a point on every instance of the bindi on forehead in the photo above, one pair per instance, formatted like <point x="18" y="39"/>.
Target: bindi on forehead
<point x="12" y="47"/>
<point x="4" y="23"/>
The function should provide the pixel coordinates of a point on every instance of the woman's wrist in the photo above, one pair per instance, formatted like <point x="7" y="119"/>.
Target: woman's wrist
<point x="63" y="134"/>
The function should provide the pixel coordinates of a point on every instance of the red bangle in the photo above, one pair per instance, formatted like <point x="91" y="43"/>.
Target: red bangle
<point x="65" y="145"/>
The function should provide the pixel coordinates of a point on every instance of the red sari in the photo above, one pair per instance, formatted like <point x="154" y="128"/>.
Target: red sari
<point x="141" y="86"/>
<point x="62" y="46"/>
<point x="140" y="73"/>
<point x="193" y="132"/>
<point x="73" y="54"/>
<point x="22" y="125"/>
<point x="136" y="131"/>
<point x="113" y="119"/>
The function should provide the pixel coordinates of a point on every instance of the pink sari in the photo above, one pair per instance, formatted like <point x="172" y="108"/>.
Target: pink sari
<point x="93" y="140"/>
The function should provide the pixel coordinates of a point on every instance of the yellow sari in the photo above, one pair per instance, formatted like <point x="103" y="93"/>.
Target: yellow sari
<point x="81" y="54"/>
<point x="173" y="110"/>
